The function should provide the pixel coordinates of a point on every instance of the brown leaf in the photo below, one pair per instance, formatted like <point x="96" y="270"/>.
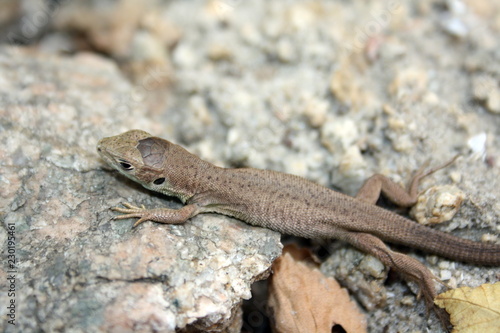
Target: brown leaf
<point x="473" y="309"/>
<point x="302" y="299"/>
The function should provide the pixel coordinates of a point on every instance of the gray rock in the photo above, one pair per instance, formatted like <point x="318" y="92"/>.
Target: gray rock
<point x="75" y="269"/>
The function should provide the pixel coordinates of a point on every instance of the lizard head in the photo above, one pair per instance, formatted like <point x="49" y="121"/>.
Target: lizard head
<point x="121" y="152"/>
<point x="143" y="158"/>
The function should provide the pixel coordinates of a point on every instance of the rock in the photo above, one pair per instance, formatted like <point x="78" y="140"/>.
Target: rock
<point x="486" y="89"/>
<point x="76" y="270"/>
<point x="131" y="31"/>
<point x="437" y="204"/>
<point x="9" y="11"/>
<point x="363" y="275"/>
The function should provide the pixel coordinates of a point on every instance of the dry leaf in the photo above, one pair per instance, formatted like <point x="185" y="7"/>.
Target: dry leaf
<point x="473" y="310"/>
<point x="302" y="299"/>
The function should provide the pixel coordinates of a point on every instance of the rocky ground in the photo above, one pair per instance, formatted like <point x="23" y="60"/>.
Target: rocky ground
<point x="331" y="91"/>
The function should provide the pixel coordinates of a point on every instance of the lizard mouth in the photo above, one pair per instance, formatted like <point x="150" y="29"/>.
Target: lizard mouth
<point x="104" y="154"/>
<point x="100" y="149"/>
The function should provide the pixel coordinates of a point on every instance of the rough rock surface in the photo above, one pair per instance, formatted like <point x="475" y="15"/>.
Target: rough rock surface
<point x="333" y="91"/>
<point x="77" y="271"/>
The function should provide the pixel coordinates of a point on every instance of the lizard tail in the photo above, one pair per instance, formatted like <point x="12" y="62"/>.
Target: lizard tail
<point x="442" y="244"/>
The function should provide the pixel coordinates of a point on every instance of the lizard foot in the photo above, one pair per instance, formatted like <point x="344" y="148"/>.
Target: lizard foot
<point x="132" y="211"/>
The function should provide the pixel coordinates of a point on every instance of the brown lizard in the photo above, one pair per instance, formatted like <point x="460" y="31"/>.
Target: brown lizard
<point x="287" y="203"/>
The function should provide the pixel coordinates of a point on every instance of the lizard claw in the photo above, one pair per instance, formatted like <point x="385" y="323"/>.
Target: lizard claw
<point x="131" y="211"/>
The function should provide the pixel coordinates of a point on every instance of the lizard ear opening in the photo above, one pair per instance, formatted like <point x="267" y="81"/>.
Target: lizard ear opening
<point x="159" y="181"/>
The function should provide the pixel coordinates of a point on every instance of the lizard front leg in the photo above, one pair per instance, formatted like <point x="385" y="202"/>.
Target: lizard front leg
<point x="162" y="215"/>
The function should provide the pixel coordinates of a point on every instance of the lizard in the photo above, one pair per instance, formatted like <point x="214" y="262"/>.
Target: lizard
<point x="288" y="204"/>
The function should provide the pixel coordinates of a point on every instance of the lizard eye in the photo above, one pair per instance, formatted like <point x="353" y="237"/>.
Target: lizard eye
<point x="159" y="181"/>
<point x="126" y="165"/>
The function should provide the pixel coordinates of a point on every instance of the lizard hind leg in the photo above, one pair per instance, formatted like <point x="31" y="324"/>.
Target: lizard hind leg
<point x="378" y="184"/>
<point x="409" y="268"/>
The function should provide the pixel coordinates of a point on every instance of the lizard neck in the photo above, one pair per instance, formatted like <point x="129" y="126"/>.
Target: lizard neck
<point x="186" y="177"/>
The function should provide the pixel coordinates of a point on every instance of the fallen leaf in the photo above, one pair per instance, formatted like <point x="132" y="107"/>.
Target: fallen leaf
<point x="302" y="299"/>
<point x="473" y="309"/>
